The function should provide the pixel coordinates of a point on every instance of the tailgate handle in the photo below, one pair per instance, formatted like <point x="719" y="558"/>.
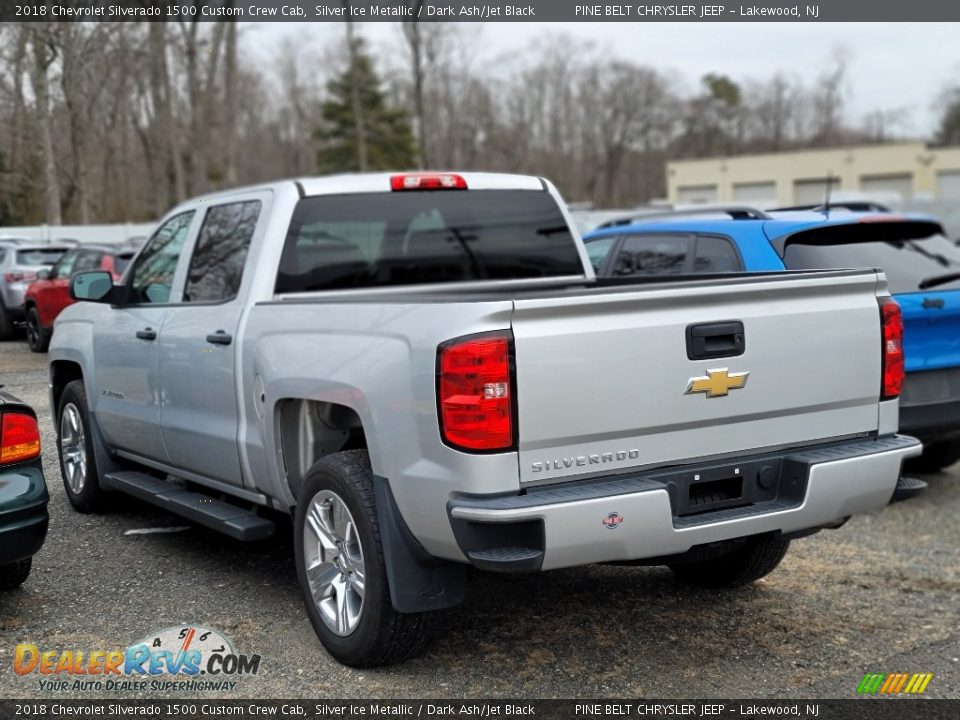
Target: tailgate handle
<point x="715" y="340"/>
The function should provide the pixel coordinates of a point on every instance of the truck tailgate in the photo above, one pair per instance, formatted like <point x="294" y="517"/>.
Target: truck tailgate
<point x="603" y="375"/>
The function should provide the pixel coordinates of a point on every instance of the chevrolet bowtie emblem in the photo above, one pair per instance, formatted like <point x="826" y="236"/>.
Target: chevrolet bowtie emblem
<point x="717" y="383"/>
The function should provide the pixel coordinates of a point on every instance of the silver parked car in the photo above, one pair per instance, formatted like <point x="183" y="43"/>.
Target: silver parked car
<point x="19" y="262"/>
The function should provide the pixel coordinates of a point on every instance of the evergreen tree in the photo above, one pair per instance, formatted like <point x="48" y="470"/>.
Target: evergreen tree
<point x="389" y="139"/>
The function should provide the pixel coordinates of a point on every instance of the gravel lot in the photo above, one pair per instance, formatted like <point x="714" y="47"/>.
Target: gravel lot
<point x="882" y="594"/>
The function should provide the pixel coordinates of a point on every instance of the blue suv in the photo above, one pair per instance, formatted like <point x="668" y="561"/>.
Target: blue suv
<point x="922" y="267"/>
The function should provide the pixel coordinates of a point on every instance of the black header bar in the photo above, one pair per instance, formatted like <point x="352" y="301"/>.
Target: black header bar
<point x="479" y="10"/>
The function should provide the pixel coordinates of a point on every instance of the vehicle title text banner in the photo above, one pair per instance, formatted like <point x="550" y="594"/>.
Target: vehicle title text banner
<point x="485" y="10"/>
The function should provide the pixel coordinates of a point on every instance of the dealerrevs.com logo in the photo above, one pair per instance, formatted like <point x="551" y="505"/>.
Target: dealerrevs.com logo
<point x="187" y="658"/>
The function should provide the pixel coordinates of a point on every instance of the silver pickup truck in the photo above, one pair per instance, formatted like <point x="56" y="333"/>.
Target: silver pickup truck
<point x="424" y="372"/>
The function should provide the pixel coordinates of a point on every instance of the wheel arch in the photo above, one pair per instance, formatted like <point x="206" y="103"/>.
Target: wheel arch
<point x="62" y="373"/>
<point x="308" y="430"/>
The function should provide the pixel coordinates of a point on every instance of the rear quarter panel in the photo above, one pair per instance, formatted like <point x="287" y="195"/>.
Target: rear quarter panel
<point x="378" y="359"/>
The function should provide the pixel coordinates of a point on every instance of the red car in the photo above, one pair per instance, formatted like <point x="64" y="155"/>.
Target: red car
<point x="50" y="294"/>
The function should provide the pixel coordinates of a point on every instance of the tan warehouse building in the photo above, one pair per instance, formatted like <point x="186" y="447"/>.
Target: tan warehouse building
<point x="896" y="173"/>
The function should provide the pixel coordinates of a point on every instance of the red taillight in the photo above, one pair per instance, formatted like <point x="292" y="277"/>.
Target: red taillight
<point x="18" y="276"/>
<point x="19" y="438"/>
<point x="475" y="393"/>
<point x="427" y="181"/>
<point x="892" y="323"/>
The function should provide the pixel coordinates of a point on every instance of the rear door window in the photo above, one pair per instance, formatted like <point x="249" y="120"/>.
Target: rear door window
<point x="914" y="256"/>
<point x="400" y="238"/>
<point x="216" y="267"/>
<point x="652" y="255"/>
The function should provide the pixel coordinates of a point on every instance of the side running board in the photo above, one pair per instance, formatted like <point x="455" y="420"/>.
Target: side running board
<point x="202" y="509"/>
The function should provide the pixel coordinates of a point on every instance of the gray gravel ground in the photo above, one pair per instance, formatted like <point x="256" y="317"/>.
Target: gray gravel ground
<point x="882" y="594"/>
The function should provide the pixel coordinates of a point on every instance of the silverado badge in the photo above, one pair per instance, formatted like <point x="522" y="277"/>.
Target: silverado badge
<point x="717" y="383"/>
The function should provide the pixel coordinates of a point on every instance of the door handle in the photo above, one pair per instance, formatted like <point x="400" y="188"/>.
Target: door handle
<point x="219" y="338"/>
<point x="147" y="334"/>
<point x="715" y="340"/>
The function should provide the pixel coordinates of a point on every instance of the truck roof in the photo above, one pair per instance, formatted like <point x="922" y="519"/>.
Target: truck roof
<point x="352" y="183"/>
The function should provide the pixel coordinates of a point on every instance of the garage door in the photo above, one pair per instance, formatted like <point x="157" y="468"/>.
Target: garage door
<point x="901" y="184"/>
<point x="812" y="192"/>
<point x="696" y="194"/>
<point x="948" y="185"/>
<point x="758" y="192"/>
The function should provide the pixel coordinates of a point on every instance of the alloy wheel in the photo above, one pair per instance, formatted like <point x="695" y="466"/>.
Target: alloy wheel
<point x="73" y="448"/>
<point x="335" y="568"/>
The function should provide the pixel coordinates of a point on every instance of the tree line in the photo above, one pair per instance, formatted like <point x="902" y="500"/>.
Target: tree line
<point x="106" y="122"/>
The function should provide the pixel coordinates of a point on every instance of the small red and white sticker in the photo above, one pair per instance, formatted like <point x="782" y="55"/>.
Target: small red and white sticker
<point x="612" y="521"/>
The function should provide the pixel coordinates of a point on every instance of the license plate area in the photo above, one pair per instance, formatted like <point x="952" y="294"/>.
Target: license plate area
<point x="704" y="489"/>
<point x="714" y="494"/>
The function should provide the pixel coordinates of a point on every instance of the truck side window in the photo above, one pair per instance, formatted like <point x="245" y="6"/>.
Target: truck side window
<point x="153" y="271"/>
<point x="216" y="267"/>
<point x="652" y="255"/>
<point x="715" y="255"/>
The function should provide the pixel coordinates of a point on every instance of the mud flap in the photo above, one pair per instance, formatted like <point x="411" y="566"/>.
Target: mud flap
<point x="418" y="583"/>
<point x="105" y="461"/>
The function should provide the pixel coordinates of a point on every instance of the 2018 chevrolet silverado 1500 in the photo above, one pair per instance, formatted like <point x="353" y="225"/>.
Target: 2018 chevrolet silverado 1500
<point x="424" y="372"/>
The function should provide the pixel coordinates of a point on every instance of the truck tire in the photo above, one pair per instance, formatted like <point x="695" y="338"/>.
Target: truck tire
<point x="6" y="324"/>
<point x="13" y="575"/>
<point x="78" y="464"/>
<point x="38" y="339"/>
<point x="341" y="569"/>
<point x="936" y="457"/>
<point x="756" y="559"/>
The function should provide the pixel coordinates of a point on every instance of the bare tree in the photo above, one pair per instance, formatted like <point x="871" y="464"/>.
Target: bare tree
<point x="166" y="138"/>
<point x="230" y="104"/>
<point x="425" y="45"/>
<point x="827" y="98"/>
<point x="44" y="54"/>
<point x="771" y="105"/>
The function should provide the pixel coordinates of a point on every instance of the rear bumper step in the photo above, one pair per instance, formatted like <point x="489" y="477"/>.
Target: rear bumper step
<point x="908" y="487"/>
<point x="507" y="559"/>
<point x="202" y="509"/>
<point x="631" y="517"/>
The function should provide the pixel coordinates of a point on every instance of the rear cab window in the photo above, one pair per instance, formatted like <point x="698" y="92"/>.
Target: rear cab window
<point x="915" y="256"/>
<point x="371" y="240"/>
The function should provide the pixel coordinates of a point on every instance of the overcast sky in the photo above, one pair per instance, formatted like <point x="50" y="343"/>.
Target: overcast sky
<point x="892" y="65"/>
